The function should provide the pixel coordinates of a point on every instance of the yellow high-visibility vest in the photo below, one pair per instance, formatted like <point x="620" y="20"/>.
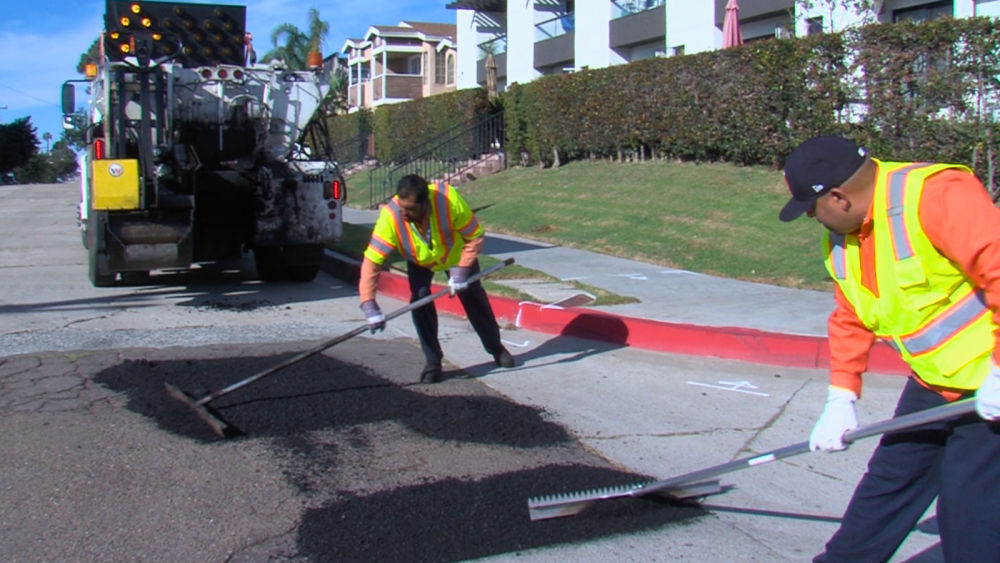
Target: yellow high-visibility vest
<point x="451" y="224"/>
<point x="927" y="308"/>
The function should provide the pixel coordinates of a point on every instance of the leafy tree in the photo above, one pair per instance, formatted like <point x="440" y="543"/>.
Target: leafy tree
<point x="75" y="138"/>
<point x="18" y="144"/>
<point x="92" y="55"/>
<point x="867" y="9"/>
<point x="293" y="45"/>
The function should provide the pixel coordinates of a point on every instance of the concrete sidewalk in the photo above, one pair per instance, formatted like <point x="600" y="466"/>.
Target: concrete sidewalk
<point x="678" y="311"/>
<point x="665" y="294"/>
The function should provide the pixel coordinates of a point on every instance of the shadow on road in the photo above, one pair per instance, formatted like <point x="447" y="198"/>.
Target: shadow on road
<point x="586" y="335"/>
<point x="214" y="286"/>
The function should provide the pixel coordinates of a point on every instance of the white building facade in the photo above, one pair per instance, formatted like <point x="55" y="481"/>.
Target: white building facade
<point x="532" y="38"/>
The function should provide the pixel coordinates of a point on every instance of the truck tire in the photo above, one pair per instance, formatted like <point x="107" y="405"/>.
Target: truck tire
<point x="95" y="234"/>
<point x="297" y="263"/>
<point x="135" y="277"/>
<point x="270" y="263"/>
<point x="303" y="261"/>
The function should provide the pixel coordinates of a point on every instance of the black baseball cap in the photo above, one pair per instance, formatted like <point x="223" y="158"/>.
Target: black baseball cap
<point x="817" y="166"/>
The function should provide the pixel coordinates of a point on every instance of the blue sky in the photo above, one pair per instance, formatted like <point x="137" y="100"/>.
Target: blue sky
<point x="41" y="41"/>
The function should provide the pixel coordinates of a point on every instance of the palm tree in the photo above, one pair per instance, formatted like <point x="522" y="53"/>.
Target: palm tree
<point x="336" y="100"/>
<point x="293" y="46"/>
<point x="47" y="137"/>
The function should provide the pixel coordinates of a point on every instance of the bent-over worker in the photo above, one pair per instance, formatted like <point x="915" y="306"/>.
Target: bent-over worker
<point x="914" y="249"/>
<point x="434" y="229"/>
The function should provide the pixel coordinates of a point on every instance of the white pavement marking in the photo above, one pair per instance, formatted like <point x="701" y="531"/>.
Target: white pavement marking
<point x="681" y="272"/>
<point x="524" y="345"/>
<point x="637" y="277"/>
<point x="737" y="386"/>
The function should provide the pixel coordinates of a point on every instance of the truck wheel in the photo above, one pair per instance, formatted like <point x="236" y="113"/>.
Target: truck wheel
<point x="138" y="277"/>
<point x="270" y="263"/>
<point x="95" y="232"/>
<point x="303" y="261"/>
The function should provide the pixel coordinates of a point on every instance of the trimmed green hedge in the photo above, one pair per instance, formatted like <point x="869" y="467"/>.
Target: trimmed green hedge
<point x="906" y="91"/>
<point x="398" y="127"/>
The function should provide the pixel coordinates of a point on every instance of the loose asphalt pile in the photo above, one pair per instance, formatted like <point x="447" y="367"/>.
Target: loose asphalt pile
<point x="443" y="517"/>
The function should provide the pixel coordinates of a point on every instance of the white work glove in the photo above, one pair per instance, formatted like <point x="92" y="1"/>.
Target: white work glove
<point x="838" y="417"/>
<point x="458" y="279"/>
<point x="376" y="320"/>
<point x="988" y="395"/>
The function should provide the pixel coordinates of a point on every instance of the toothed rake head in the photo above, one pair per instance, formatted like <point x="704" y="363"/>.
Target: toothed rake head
<point x="568" y="504"/>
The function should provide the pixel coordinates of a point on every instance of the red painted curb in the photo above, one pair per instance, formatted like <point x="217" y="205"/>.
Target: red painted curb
<point x="733" y="343"/>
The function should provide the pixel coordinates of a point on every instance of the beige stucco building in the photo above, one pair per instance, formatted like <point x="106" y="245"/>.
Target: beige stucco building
<point x="392" y="64"/>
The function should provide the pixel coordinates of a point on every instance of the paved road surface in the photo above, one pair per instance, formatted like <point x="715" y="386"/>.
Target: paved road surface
<point x="346" y="458"/>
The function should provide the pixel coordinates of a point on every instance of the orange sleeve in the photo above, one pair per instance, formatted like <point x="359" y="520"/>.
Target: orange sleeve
<point x="962" y="222"/>
<point x="850" y="341"/>
<point x="368" y="284"/>
<point x="471" y="251"/>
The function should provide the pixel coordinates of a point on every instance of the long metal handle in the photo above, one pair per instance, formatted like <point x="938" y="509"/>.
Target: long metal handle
<point x="361" y="329"/>
<point x="943" y="412"/>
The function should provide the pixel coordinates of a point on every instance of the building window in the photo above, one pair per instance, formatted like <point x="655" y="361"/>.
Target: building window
<point x="439" y="67"/>
<point x="414" y="67"/>
<point x="926" y="12"/>
<point x="814" y="26"/>
<point x="677" y="51"/>
<point x="423" y="57"/>
<point x="451" y="68"/>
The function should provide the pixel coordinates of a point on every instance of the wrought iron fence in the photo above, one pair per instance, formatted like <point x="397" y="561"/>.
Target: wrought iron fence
<point x="447" y="157"/>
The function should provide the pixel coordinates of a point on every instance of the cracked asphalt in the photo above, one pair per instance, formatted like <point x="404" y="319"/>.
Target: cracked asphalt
<point x="345" y="457"/>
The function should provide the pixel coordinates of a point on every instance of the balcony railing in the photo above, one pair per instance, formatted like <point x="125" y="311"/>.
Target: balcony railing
<point x="496" y="46"/>
<point x="554" y="27"/>
<point x="622" y="8"/>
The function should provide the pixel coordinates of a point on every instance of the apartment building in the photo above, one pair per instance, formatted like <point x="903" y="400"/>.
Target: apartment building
<point x="697" y="26"/>
<point x="393" y="64"/>
<point x="532" y="38"/>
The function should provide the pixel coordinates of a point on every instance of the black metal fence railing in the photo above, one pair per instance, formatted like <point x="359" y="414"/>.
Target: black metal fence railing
<point x="353" y="151"/>
<point x="448" y="157"/>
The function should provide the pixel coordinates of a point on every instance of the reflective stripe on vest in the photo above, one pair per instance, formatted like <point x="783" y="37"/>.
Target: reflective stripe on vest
<point x="380" y="246"/>
<point x="406" y="245"/>
<point x="838" y="255"/>
<point x="956" y="317"/>
<point x="896" y="193"/>
<point x="443" y="212"/>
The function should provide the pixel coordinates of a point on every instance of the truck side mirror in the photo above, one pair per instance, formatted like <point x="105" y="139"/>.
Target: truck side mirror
<point x="68" y="98"/>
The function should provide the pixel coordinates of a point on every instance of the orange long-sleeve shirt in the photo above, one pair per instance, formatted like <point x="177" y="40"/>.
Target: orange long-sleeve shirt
<point x="962" y="223"/>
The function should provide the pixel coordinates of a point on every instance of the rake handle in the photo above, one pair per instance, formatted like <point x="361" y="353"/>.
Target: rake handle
<point x="943" y="412"/>
<point x="330" y="343"/>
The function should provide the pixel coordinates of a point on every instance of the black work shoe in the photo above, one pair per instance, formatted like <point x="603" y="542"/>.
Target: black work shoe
<point x="431" y="373"/>
<point x="503" y="358"/>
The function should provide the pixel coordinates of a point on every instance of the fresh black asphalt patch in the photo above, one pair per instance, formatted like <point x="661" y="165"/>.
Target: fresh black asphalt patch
<point x="454" y="520"/>
<point x="442" y="518"/>
<point x="320" y="393"/>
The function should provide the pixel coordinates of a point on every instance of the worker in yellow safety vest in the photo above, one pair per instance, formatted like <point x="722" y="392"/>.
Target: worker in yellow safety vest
<point x="914" y="249"/>
<point x="434" y="229"/>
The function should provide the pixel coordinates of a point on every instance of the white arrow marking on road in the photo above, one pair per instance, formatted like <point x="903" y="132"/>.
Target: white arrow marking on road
<point x="737" y="386"/>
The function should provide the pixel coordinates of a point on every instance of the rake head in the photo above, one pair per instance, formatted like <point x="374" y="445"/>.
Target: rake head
<point x="570" y="504"/>
<point x="207" y="414"/>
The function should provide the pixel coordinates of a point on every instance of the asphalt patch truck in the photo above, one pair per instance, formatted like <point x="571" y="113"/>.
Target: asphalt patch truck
<point x="195" y="153"/>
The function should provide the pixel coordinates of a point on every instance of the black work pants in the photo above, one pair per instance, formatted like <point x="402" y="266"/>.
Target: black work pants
<point x="957" y="461"/>
<point x="474" y="301"/>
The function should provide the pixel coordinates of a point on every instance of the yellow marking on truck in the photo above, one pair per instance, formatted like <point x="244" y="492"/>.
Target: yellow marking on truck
<point x="115" y="184"/>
